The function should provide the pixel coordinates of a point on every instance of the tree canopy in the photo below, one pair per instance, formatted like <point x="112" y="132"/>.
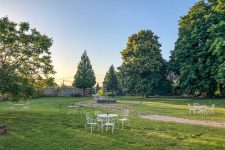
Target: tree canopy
<point x="85" y="76"/>
<point x="25" y="58"/>
<point x="111" y="80"/>
<point x="198" y="58"/>
<point x="144" y="70"/>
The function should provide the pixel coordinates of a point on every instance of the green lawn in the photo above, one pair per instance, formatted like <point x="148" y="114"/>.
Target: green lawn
<point x="43" y="127"/>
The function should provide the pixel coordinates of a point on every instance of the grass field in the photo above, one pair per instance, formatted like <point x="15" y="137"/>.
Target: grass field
<point x="43" y="127"/>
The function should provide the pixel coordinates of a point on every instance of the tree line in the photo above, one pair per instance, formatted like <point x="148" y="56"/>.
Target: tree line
<point x="196" y="65"/>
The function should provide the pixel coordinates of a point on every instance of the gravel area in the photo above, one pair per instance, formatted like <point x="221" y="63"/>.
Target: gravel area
<point x="183" y="120"/>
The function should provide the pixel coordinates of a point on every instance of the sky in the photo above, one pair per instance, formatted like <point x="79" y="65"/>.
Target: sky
<point x="101" y="27"/>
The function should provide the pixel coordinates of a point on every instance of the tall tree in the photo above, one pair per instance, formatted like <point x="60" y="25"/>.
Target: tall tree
<point x="198" y="58"/>
<point x="144" y="70"/>
<point x="25" y="58"/>
<point x="111" y="80"/>
<point x="85" y="76"/>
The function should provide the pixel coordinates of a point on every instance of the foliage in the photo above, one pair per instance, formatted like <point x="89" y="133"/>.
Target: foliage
<point x="144" y="71"/>
<point x="199" y="59"/>
<point x="111" y="80"/>
<point x="85" y="76"/>
<point x="100" y="92"/>
<point x="25" y="58"/>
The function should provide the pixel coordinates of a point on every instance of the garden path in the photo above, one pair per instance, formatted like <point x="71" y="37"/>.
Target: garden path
<point x="183" y="120"/>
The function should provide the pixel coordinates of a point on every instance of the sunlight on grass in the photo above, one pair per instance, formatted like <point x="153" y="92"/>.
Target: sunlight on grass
<point x="42" y="127"/>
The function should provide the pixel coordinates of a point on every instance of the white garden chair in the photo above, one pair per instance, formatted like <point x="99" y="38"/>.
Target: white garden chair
<point x="125" y="117"/>
<point x="11" y="107"/>
<point x="211" y="109"/>
<point x="90" y="122"/>
<point x="109" y="123"/>
<point x="191" y="109"/>
<point x="26" y="106"/>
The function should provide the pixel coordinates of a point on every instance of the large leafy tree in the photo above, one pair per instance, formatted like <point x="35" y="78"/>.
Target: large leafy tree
<point x="199" y="59"/>
<point x="111" y="80"/>
<point x="25" y="58"/>
<point x="85" y="76"/>
<point x="143" y="70"/>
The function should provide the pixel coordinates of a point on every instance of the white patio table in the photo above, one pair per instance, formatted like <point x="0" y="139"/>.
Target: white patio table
<point x="107" y="115"/>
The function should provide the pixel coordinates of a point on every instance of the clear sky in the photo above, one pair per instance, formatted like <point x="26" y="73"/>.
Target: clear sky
<point x="102" y="27"/>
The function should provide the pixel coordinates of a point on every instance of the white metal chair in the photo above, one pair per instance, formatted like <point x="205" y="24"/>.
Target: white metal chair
<point x="203" y="110"/>
<point x="109" y="123"/>
<point x="125" y="117"/>
<point x="26" y="106"/>
<point x="191" y="109"/>
<point x="90" y="122"/>
<point x="11" y="107"/>
<point x="211" y="109"/>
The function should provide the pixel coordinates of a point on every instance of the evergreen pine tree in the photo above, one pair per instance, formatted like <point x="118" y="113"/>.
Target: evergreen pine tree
<point x="85" y="76"/>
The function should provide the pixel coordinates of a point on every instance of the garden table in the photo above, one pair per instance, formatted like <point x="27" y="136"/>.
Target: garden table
<point x="72" y="106"/>
<point x="19" y="104"/>
<point x="201" y="109"/>
<point x="107" y="115"/>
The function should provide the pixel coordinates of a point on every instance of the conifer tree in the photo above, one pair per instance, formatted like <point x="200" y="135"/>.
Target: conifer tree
<point x="111" y="80"/>
<point x="85" y="76"/>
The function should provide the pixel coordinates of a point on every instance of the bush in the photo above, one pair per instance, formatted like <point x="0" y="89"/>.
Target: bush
<point x="100" y="92"/>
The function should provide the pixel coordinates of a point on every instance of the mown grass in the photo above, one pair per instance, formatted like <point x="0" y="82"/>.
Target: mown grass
<point x="42" y="127"/>
<point x="173" y="106"/>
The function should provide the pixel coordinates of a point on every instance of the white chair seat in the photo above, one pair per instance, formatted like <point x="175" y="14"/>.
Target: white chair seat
<point x="123" y="119"/>
<point x="107" y="125"/>
<point x="92" y="123"/>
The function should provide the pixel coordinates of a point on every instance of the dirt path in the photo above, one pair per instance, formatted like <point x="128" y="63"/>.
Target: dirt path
<point x="164" y="118"/>
<point x="183" y="120"/>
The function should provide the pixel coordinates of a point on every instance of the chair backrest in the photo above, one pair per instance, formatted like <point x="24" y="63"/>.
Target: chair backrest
<point x="27" y="104"/>
<point x="97" y="112"/>
<point x="126" y="112"/>
<point x="10" y="105"/>
<point x="196" y="104"/>
<point x="189" y="105"/>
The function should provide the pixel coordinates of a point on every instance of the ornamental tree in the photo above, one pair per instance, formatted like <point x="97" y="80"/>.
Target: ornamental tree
<point x="144" y="70"/>
<point x="85" y="76"/>
<point x="25" y="58"/>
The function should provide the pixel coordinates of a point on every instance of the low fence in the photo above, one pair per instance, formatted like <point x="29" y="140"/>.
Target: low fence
<point x="65" y="91"/>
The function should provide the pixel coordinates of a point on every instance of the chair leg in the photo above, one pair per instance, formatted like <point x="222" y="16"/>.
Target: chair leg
<point x="102" y="128"/>
<point x="112" y="129"/>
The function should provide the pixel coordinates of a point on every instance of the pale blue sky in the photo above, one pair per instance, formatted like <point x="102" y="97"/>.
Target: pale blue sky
<point x="101" y="27"/>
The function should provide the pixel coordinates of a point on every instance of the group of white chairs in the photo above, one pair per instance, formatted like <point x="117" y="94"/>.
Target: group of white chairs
<point x="97" y="121"/>
<point x="18" y="106"/>
<point x="201" y="109"/>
